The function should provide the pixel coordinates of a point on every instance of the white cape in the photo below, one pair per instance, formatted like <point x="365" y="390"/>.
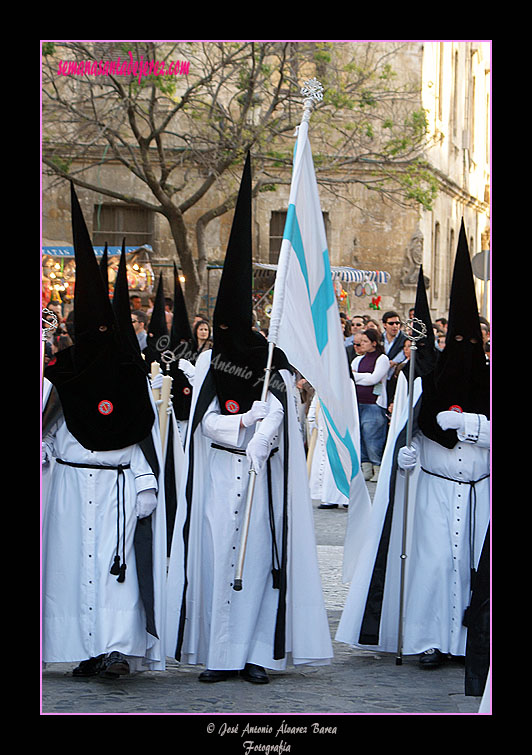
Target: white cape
<point x="219" y="642"/>
<point x="86" y="612"/>
<point x="363" y="537"/>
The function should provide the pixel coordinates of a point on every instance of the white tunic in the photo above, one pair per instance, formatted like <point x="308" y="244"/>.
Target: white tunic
<point x="225" y="629"/>
<point x="450" y="524"/>
<point x="439" y="557"/>
<point x="322" y="485"/>
<point x="86" y="612"/>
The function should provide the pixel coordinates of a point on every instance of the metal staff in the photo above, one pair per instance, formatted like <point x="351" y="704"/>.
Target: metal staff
<point x="312" y="91"/>
<point x="237" y="583"/>
<point x="162" y="397"/>
<point x="418" y="331"/>
<point x="49" y="318"/>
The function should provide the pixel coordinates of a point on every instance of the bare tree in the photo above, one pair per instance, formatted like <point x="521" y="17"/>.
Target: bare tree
<point x="183" y="126"/>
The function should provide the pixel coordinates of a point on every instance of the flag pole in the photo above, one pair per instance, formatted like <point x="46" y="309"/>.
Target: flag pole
<point x="418" y="331"/>
<point x="312" y="90"/>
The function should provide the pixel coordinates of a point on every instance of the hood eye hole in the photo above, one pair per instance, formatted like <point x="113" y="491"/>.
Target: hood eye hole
<point x="459" y="338"/>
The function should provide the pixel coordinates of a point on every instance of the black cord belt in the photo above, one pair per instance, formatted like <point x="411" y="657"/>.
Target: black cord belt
<point x="472" y="503"/>
<point x="276" y="565"/>
<point x="117" y="568"/>
<point x="239" y="451"/>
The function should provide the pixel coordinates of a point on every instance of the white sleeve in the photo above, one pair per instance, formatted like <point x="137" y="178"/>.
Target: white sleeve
<point x="382" y="365"/>
<point x="476" y="430"/>
<point x="144" y="477"/>
<point x="222" y="428"/>
<point x="269" y="426"/>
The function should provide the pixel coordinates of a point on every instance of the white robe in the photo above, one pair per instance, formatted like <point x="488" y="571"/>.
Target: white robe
<point x="225" y="629"/>
<point x="323" y="488"/>
<point x="437" y="566"/>
<point x="85" y="611"/>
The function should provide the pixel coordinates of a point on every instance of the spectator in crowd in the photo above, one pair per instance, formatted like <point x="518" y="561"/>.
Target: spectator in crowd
<point x="139" y="318"/>
<point x="135" y="301"/>
<point x="393" y="339"/>
<point x="370" y="371"/>
<point x="357" y="323"/>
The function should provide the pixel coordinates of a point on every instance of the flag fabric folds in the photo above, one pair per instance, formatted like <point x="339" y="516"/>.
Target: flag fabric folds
<point x="305" y="321"/>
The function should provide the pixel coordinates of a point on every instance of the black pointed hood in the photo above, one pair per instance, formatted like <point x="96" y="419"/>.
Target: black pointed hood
<point x="104" y="267"/>
<point x="240" y="353"/>
<point x="426" y="349"/>
<point x="122" y="311"/>
<point x="180" y="330"/>
<point x="158" y="339"/>
<point x="93" y="314"/>
<point x="182" y="346"/>
<point x="102" y="387"/>
<point x="460" y="377"/>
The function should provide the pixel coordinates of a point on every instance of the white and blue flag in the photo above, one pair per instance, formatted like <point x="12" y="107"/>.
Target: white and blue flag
<point x="305" y="322"/>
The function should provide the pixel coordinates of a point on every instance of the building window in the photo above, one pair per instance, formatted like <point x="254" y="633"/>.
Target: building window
<point x="111" y="223"/>
<point x="277" y="224"/>
<point x="436" y="264"/>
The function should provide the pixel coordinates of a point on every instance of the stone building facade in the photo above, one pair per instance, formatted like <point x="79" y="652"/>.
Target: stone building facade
<point x="363" y="231"/>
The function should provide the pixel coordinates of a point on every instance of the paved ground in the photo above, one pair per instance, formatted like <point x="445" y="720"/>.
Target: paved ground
<point x="357" y="682"/>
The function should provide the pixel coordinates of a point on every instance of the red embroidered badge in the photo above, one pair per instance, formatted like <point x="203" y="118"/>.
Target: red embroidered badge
<point x="232" y="406"/>
<point x="105" y="407"/>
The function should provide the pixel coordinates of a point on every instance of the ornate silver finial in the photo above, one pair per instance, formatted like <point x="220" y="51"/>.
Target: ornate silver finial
<point x="418" y="329"/>
<point x="168" y="357"/>
<point x="312" y="89"/>
<point x="49" y="320"/>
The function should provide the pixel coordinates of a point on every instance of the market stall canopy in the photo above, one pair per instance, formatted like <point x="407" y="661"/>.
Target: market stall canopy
<point x="344" y="274"/>
<point x="68" y="251"/>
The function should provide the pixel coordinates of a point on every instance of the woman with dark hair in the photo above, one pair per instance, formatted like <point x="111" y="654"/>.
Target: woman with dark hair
<point x="201" y="334"/>
<point x="370" y="370"/>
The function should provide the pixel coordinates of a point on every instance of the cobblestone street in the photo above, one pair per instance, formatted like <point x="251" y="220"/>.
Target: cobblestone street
<point x="357" y="682"/>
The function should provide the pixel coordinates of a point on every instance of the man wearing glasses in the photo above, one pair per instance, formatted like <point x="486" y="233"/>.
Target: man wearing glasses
<point x="393" y="340"/>
<point x="139" y="318"/>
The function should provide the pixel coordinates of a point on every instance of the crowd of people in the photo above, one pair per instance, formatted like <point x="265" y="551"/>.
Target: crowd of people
<point x="126" y="583"/>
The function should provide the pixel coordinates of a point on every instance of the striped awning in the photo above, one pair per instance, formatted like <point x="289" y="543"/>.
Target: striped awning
<point x="344" y="274"/>
<point x="68" y="251"/>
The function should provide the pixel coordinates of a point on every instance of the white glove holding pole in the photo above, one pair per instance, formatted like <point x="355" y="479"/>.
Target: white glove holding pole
<point x="157" y="381"/>
<point x="187" y="368"/>
<point x="257" y="451"/>
<point x="407" y="457"/>
<point x="258" y="411"/>
<point x="451" y="420"/>
<point x="146" y="502"/>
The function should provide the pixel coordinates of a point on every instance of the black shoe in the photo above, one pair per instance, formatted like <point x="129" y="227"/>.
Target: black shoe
<point x="90" y="667"/>
<point x="328" y="506"/>
<point x="431" y="658"/>
<point x="254" y="674"/>
<point x="212" y="675"/>
<point x="114" y="665"/>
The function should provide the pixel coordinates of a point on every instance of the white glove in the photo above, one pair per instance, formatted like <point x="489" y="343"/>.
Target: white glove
<point x="407" y="456"/>
<point x="157" y="381"/>
<point x="188" y="369"/>
<point x="146" y="502"/>
<point x="258" y="411"/>
<point x="450" y="420"/>
<point x="45" y="454"/>
<point x="258" y="451"/>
